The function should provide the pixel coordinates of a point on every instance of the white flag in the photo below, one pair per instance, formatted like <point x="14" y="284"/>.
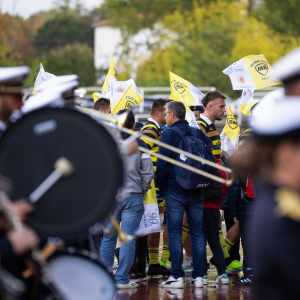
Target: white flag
<point x="247" y="101"/>
<point x="42" y="76"/>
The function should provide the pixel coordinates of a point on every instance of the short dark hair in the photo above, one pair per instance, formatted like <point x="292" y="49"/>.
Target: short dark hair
<point x="211" y="96"/>
<point x="158" y="105"/>
<point x="101" y="103"/>
<point x="177" y="108"/>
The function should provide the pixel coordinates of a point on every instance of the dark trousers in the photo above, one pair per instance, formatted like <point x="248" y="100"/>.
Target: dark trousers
<point x="211" y="224"/>
<point x="139" y="264"/>
<point x="234" y="251"/>
<point x="245" y="232"/>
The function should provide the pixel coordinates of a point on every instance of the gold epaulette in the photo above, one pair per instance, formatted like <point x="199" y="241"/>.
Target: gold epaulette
<point x="288" y="204"/>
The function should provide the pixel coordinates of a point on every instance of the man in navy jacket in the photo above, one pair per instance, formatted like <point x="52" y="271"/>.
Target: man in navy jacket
<point x="179" y="200"/>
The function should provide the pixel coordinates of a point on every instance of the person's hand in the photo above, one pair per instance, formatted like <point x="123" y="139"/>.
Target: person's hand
<point x="22" y="239"/>
<point x="20" y="209"/>
<point x="236" y="221"/>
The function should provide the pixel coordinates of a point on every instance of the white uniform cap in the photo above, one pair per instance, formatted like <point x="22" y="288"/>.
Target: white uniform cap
<point x="269" y="100"/>
<point x="287" y="67"/>
<point x="49" y="97"/>
<point x="279" y="119"/>
<point x="11" y="79"/>
<point x="53" y="82"/>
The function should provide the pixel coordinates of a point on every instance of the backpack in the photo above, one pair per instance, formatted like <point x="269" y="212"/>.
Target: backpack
<point x="190" y="143"/>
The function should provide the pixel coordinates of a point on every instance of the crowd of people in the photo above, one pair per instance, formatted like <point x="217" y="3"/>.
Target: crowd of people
<point x="261" y="208"/>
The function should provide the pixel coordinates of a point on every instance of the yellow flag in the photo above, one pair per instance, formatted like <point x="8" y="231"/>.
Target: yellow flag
<point x="150" y="196"/>
<point x="111" y="72"/>
<point x="247" y="101"/>
<point x="251" y="72"/>
<point x="230" y="134"/>
<point x="187" y="92"/>
<point x="130" y="98"/>
<point x="96" y="96"/>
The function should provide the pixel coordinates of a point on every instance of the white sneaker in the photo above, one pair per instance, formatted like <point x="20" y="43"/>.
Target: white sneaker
<point x="197" y="282"/>
<point x="173" y="283"/>
<point x="129" y="285"/>
<point x="223" y="279"/>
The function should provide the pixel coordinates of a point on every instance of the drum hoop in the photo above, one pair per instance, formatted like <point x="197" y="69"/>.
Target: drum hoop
<point x="88" y="117"/>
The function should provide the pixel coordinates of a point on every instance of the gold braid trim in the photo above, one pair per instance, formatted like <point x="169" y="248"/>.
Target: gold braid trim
<point x="11" y="89"/>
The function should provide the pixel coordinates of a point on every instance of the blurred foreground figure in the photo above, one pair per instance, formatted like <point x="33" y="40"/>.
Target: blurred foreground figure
<point x="274" y="155"/>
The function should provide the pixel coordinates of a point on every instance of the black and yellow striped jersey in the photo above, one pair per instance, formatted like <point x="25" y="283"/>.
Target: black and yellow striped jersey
<point x="211" y="131"/>
<point x="151" y="130"/>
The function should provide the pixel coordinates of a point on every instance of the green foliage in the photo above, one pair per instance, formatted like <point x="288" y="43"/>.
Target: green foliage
<point x="280" y="15"/>
<point x="65" y="28"/>
<point x="199" y="44"/>
<point x="133" y="15"/>
<point x="72" y="59"/>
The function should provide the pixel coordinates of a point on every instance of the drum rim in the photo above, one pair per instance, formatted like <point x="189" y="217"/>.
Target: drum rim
<point x="87" y="255"/>
<point x="83" y="233"/>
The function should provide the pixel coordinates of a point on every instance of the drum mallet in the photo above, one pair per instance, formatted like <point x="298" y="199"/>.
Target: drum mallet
<point x="63" y="168"/>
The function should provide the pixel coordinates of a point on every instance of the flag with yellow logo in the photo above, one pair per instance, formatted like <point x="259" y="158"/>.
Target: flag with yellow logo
<point x="251" y="72"/>
<point x="247" y="101"/>
<point x="129" y="98"/>
<point x="111" y="72"/>
<point x="42" y="77"/>
<point x="182" y="90"/>
<point x="230" y="134"/>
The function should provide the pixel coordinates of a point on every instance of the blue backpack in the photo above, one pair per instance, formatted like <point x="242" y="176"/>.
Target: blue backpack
<point x="190" y="143"/>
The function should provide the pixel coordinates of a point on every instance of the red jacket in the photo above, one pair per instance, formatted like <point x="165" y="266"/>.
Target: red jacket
<point x="217" y="203"/>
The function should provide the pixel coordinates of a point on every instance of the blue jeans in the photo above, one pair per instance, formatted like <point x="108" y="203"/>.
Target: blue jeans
<point x="130" y="214"/>
<point x="175" y="206"/>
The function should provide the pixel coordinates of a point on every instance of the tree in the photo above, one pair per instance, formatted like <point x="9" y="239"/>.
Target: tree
<point x="281" y="16"/>
<point x="199" y="44"/>
<point x="66" y="27"/>
<point x="70" y="59"/>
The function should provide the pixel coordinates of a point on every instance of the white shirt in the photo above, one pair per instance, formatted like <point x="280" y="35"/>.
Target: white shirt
<point x="151" y="120"/>
<point x="207" y="120"/>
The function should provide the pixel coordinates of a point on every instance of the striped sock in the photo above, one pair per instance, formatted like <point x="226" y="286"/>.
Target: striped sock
<point x="165" y="254"/>
<point x="228" y="243"/>
<point x="153" y="256"/>
<point x="185" y="232"/>
<point x="222" y="242"/>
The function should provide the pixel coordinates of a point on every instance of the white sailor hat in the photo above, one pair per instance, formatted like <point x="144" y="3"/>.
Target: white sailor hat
<point x="53" y="96"/>
<point x="288" y="67"/>
<point x="280" y="121"/>
<point x="11" y="79"/>
<point x="58" y="80"/>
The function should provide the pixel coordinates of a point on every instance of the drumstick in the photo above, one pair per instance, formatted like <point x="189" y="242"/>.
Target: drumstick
<point x="63" y="168"/>
<point x="48" y="250"/>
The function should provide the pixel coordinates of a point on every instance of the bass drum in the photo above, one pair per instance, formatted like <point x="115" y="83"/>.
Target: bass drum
<point x="77" y="275"/>
<point x="28" y="151"/>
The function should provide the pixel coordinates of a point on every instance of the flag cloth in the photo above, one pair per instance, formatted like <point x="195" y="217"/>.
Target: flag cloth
<point x="247" y="101"/>
<point x="150" y="220"/>
<point x="251" y="72"/>
<point x="111" y="72"/>
<point x="96" y="96"/>
<point x="182" y="90"/>
<point x="230" y="134"/>
<point x="129" y="98"/>
<point x="42" y="77"/>
<point x="116" y="90"/>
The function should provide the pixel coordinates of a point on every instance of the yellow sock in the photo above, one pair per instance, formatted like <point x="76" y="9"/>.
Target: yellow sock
<point x="165" y="254"/>
<point x="153" y="256"/>
<point x="228" y="243"/>
<point x="185" y="232"/>
<point x="222" y="242"/>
